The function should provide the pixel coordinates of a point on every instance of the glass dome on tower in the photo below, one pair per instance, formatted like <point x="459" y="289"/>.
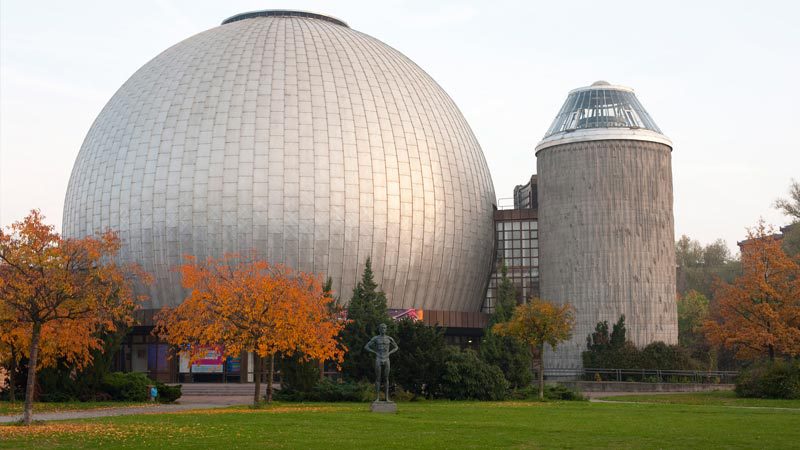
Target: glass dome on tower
<point x="602" y="111"/>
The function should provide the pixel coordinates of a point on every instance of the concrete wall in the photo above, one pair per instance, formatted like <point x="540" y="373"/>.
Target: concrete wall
<point x="633" y="387"/>
<point x="606" y="238"/>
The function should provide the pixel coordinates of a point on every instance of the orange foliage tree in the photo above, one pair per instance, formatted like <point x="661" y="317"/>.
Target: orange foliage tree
<point x="58" y="297"/>
<point x="759" y="313"/>
<point x="537" y="323"/>
<point x="248" y="305"/>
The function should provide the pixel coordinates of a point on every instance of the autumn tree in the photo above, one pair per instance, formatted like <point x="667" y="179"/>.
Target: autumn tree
<point x="365" y="311"/>
<point x="59" y="296"/>
<point x="537" y="323"/>
<point x="241" y="304"/>
<point x="758" y="314"/>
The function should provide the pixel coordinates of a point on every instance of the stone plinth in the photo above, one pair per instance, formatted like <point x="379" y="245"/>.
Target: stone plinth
<point x="383" y="407"/>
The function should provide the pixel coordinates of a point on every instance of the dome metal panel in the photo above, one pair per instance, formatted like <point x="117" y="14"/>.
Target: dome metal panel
<point x="312" y="143"/>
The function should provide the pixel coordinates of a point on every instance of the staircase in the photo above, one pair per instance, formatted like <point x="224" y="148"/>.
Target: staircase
<point x="222" y="389"/>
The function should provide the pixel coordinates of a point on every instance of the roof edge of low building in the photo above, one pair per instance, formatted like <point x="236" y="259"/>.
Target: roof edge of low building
<point x="603" y="134"/>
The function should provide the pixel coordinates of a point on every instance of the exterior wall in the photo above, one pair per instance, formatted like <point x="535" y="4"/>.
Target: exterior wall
<point x="314" y="144"/>
<point x="607" y="239"/>
<point x="526" y="196"/>
<point x="516" y="244"/>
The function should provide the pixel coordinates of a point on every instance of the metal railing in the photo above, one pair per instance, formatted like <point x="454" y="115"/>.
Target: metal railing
<point x="645" y="375"/>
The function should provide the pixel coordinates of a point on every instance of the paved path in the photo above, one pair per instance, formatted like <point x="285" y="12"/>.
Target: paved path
<point x="187" y="403"/>
<point x="594" y="395"/>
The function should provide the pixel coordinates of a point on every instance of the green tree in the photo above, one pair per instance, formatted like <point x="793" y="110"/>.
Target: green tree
<point x="506" y="299"/>
<point x="692" y="313"/>
<point x="700" y="266"/>
<point x="616" y="352"/>
<point x="791" y="206"/>
<point x="299" y="373"/>
<point x="467" y="377"/>
<point x="791" y="240"/>
<point x="537" y="323"/>
<point x="506" y="352"/>
<point x="618" y="333"/>
<point x="421" y="363"/>
<point x="366" y="310"/>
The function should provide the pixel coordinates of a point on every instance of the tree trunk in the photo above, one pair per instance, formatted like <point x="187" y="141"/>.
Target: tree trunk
<point x="257" y="377"/>
<point x="12" y="376"/>
<point x="541" y="372"/>
<point x="270" y="377"/>
<point x="771" y="349"/>
<point x="31" y="382"/>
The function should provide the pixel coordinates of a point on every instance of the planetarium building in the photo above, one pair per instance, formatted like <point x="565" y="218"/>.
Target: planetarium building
<point x="294" y="135"/>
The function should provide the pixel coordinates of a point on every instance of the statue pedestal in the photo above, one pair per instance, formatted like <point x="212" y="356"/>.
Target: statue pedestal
<point x="383" y="407"/>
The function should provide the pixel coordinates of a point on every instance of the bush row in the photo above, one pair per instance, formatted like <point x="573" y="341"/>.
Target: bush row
<point x="116" y="386"/>
<point x="778" y="379"/>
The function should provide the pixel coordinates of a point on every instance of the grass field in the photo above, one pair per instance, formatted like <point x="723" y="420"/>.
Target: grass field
<point x="11" y="409"/>
<point x="720" y="398"/>
<point x="429" y="425"/>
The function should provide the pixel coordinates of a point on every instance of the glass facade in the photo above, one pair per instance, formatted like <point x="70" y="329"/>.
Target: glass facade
<point x="601" y="107"/>
<point x="517" y="245"/>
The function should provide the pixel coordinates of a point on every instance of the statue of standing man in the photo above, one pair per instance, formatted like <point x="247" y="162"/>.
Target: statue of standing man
<point x="382" y="346"/>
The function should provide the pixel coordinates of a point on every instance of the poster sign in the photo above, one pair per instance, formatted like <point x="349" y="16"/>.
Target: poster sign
<point x="234" y="365"/>
<point x="210" y="361"/>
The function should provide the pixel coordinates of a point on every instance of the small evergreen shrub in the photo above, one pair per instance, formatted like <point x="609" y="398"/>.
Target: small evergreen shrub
<point x="329" y="391"/>
<point x="777" y="379"/>
<point x="127" y="387"/>
<point x="467" y="377"/>
<point x="551" y="392"/>
<point x="167" y="393"/>
<point x="560" y="392"/>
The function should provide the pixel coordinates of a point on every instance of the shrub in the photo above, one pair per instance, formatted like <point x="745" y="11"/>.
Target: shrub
<point x="777" y="379"/>
<point x="467" y="377"/>
<point x="299" y="375"/>
<point x="614" y="352"/>
<point x="329" y="391"/>
<point x="551" y="392"/>
<point x="420" y="364"/>
<point x="510" y="355"/>
<point x="560" y="392"/>
<point x="129" y="387"/>
<point x="167" y="393"/>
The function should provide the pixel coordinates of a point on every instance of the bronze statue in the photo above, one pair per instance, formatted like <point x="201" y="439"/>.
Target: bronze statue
<point x="382" y="346"/>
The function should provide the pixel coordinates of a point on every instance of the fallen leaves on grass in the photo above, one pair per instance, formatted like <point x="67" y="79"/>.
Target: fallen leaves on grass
<point x="266" y="410"/>
<point x="94" y="430"/>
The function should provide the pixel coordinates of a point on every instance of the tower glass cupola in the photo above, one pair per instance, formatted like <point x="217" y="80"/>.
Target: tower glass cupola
<point x="602" y="111"/>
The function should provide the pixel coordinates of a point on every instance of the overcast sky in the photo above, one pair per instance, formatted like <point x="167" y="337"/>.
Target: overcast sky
<point x="721" y="79"/>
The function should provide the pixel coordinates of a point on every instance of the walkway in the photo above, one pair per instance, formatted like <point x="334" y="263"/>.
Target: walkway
<point x="186" y="403"/>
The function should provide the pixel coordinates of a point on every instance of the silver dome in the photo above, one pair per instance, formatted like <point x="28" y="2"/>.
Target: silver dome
<point x="294" y="135"/>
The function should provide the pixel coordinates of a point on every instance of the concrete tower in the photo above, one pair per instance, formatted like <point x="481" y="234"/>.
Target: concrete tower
<point x="605" y="218"/>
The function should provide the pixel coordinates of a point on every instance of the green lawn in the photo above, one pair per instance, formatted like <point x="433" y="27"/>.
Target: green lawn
<point x="721" y="398"/>
<point x="11" y="409"/>
<point x="429" y="425"/>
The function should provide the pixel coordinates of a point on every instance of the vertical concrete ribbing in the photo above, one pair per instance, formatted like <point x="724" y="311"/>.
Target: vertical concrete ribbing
<point x="607" y="239"/>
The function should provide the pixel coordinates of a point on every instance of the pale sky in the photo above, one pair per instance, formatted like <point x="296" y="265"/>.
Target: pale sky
<point x="721" y="79"/>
